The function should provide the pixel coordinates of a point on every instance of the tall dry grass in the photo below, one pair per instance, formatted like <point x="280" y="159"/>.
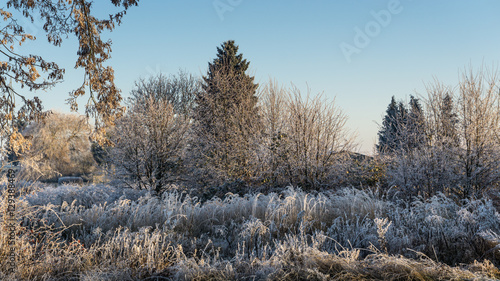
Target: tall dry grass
<point x="103" y="233"/>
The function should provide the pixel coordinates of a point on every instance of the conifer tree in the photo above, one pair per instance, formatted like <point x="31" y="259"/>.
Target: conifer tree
<point x="387" y="136"/>
<point x="449" y="122"/>
<point x="226" y="115"/>
<point x="402" y="127"/>
<point x="415" y="135"/>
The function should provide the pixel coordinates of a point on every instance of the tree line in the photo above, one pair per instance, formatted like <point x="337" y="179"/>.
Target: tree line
<point x="225" y="130"/>
<point x="450" y="145"/>
<point x="221" y="130"/>
<point x="225" y="133"/>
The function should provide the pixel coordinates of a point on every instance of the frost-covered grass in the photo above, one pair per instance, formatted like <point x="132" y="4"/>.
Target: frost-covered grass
<point x="99" y="232"/>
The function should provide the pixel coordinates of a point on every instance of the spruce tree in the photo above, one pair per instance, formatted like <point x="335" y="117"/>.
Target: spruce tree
<point x="402" y="127"/>
<point x="227" y="115"/>
<point x="387" y="135"/>
<point x="449" y="122"/>
<point x="415" y="136"/>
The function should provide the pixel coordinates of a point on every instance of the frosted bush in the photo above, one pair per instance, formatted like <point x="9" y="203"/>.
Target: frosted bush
<point x="441" y="228"/>
<point x="353" y="233"/>
<point x="84" y="195"/>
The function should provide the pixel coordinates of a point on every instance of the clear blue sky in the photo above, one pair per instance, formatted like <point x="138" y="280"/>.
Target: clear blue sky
<point x="302" y="42"/>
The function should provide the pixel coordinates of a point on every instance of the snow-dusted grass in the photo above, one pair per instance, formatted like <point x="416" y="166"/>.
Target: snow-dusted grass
<point x="99" y="232"/>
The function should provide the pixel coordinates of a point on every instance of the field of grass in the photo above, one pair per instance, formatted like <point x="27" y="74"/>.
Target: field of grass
<point x="101" y="232"/>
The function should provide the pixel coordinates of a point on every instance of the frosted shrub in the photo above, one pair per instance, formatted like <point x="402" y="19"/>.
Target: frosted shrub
<point x="84" y="195"/>
<point x="150" y="155"/>
<point x="305" y="139"/>
<point x="255" y="235"/>
<point x="441" y="228"/>
<point x="60" y="146"/>
<point x="458" y="147"/>
<point x="382" y="228"/>
<point x="352" y="233"/>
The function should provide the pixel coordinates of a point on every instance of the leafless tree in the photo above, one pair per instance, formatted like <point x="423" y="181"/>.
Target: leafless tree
<point x="149" y="143"/>
<point x="306" y="141"/>
<point x="180" y="90"/>
<point x="479" y="115"/>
